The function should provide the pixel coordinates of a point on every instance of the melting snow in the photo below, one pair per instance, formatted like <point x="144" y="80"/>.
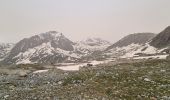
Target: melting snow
<point x="77" y="66"/>
<point x="24" y="61"/>
<point x="40" y="71"/>
<point x="131" y="50"/>
<point x="153" y="57"/>
<point x="71" y="67"/>
<point x="24" y="57"/>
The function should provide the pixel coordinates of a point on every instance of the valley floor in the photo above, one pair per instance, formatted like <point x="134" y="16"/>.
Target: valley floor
<point x="129" y="80"/>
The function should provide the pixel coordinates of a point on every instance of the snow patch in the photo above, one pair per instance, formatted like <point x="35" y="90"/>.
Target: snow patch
<point x="76" y="67"/>
<point x="40" y="71"/>
<point x="24" y="57"/>
<point x="152" y="57"/>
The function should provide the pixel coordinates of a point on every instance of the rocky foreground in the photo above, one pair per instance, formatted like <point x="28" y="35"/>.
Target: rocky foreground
<point x="146" y="80"/>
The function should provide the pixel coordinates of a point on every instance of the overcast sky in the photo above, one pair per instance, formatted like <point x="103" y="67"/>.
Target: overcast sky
<point x="78" y="19"/>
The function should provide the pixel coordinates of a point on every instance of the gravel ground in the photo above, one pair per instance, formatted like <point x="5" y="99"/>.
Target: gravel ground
<point x="146" y="80"/>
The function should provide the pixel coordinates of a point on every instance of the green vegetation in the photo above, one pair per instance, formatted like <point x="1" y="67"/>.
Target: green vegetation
<point x="140" y="80"/>
<point x="148" y="80"/>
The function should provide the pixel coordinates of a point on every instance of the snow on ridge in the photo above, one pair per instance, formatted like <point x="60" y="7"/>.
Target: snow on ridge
<point x="67" y="53"/>
<point x="152" y="57"/>
<point x="126" y="51"/>
<point x="5" y="48"/>
<point x="129" y="47"/>
<point x="24" y="61"/>
<point x="148" y="49"/>
<point x="92" y="46"/>
<point x="133" y="49"/>
<point x="45" y="48"/>
<point x="53" y="34"/>
<point x="24" y="57"/>
<point x="95" y="41"/>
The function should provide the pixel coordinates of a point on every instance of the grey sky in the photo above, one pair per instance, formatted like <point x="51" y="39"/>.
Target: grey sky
<point x="78" y="19"/>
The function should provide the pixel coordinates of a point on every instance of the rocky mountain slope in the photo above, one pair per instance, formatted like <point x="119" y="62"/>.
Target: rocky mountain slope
<point x="142" y="46"/>
<point x="162" y="39"/>
<point x="160" y="44"/>
<point x="129" y="43"/>
<point x="5" y="49"/>
<point x="137" y="38"/>
<point x="51" y="47"/>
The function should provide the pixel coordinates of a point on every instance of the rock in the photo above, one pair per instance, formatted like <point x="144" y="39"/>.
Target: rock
<point x="22" y="74"/>
<point x="89" y="65"/>
<point x="6" y="96"/>
<point x="60" y="82"/>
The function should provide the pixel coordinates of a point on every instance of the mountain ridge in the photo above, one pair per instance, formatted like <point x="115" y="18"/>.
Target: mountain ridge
<point x="162" y="39"/>
<point x="54" y="47"/>
<point x="51" y="47"/>
<point x="136" y="38"/>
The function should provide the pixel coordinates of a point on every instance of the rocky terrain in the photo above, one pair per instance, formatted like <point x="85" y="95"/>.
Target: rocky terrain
<point x="162" y="39"/>
<point x="128" y="80"/>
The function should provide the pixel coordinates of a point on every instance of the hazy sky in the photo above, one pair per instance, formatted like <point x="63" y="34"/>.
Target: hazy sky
<point x="78" y="19"/>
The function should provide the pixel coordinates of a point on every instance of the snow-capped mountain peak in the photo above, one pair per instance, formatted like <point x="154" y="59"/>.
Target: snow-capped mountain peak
<point x="41" y="48"/>
<point x="52" y="47"/>
<point x="129" y="45"/>
<point x="95" y="42"/>
<point x="53" y="35"/>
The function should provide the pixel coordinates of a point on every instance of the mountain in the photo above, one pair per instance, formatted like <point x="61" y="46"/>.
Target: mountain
<point x="53" y="47"/>
<point x="96" y="42"/>
<point x="5" y="49"/>
<point x="162" y="39"/>
<point x="142" y="46"/>
<point x="159" y="45"/>
<point x="130" y="43"/>
<point x="93" y="44"/>
<point x="137" y="38"/>
<point x="92" y="48"/>
<point x="50" y="48"/>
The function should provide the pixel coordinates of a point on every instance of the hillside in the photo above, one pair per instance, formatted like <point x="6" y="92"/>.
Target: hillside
<point x="136" y="38"/>
<point x="162" y="39"/>
<point x="128" y="45"/>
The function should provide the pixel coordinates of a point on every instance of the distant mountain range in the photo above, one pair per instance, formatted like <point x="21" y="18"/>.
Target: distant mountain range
<point x="53" y="47"/>
<point x="141" y="44"/>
